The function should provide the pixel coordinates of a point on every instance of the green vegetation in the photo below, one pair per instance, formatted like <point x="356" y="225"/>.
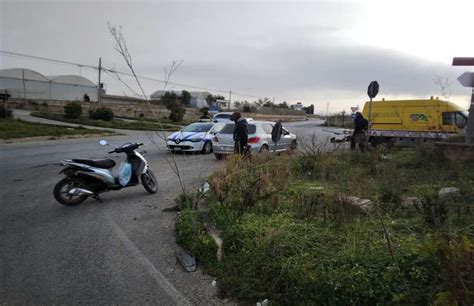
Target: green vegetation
<point x="101" y="113"/>
<point x="73" y="110"/>
<point x="174" y="104"/>
<point x="138" y="124"/>
<point x="10" y="128"/>
<point x="290" y="234"/>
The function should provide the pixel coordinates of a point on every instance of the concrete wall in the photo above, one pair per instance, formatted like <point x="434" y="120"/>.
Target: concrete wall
<point x="129" y="109"/>
<point x="134" y="108"/>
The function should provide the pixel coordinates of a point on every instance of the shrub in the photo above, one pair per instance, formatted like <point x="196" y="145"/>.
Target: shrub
<point x="44" y="104"/>
<point x="101" y="113"/>
<point x="5" y="113"/>
<point x="192" y="235"/>
<point x="73" y="110"/>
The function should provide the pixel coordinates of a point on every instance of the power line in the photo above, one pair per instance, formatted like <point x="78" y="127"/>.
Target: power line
<point x="16" y="54"/>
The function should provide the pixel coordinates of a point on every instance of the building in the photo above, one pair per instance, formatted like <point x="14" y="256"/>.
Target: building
<point x="297" y="106"/>
<point x="198" y="98"/>
<point x="30" y="84"/>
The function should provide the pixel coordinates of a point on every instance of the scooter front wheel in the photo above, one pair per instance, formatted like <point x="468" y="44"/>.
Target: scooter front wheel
<point x="149" y="181"/>
<point x="62" y="188"/>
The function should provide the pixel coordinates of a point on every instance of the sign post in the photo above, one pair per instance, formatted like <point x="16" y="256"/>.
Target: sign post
<point x="372" y="92"/>
<point x="467" y="80"/>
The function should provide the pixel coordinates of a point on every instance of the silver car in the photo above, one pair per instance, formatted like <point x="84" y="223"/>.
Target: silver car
<point x="260" y="139"/>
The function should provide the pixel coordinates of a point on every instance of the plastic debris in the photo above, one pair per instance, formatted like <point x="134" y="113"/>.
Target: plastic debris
<point x="214" y="283"/>
<point x="265" y="302"/>
<point x="188" y="261"/>
<point x="204" y="188"/>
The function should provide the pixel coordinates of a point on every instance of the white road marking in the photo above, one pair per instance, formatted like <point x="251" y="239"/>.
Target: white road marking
<point x="177" y="297"/>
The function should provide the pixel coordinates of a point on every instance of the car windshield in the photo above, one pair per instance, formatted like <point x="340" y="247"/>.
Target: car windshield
<point x="229" y="129"/>
<point x="223" y="116"/>
<point x="198" y="127"/>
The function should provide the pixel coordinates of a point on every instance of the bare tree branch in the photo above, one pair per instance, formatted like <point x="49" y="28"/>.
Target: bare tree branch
<point x="122" y="49"/>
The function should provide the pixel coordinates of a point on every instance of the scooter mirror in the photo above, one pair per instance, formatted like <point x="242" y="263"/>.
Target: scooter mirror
<point x="103" y="142"/>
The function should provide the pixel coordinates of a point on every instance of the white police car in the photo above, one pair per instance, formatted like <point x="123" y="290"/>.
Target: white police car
<point x="196" y="137"/>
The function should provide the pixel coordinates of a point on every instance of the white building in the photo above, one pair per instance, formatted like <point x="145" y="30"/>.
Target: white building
<point x="29" y="84"/>
<point x="198" y="98"/>
<point x="297" y="106"/>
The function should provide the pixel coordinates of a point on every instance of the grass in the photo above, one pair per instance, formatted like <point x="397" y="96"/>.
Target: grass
<point x="295" y="243"/>
<point x="11" y="128"/>
<point x="139" y="124"/>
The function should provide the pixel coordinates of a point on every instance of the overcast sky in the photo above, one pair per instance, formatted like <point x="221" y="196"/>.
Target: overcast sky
<point x="314" y="51"/>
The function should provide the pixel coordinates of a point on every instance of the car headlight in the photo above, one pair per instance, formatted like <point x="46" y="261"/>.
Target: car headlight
<point x="195" y="140"/>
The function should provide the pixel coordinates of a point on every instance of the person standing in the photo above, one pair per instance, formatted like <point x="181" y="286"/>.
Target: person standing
<point x="241" y="134"/>
<point x="277" y="132"/>
<point x="359" y="136"/>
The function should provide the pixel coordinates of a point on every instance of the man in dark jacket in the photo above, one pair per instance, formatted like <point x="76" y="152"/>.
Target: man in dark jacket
<point x="241" y="134"/>
<point x="359" y="136"/>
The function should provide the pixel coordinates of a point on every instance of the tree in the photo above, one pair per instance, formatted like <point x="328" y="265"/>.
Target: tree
<point x="309" y="109"/>
<point x="176" y="111"/>
<point x="444" y="85"/>
<point x="185" y="97"/>
<point x="246" y="107"/>
<point x="238" y="105"/>
<point x="212" y="99"/>
<point x="73" y="110"/>
<point x="284" y="104"/>
<point x="169" y="98"/>
<point x="205" y="112"/>
<point x="171" y="101"/>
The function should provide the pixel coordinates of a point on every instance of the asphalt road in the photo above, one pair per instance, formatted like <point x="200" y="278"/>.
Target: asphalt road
<point x="121" y="251"/>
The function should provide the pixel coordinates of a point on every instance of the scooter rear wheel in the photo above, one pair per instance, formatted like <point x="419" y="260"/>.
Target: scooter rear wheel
<point x="149" y="181"/>
<point x="62" y="188"/>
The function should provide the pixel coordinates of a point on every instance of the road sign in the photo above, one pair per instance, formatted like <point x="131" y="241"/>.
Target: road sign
<point x="463" y="61"/>
<point x="467" y="79"/>
<point x="373" y="89"/>
<point x="354" y="109"/>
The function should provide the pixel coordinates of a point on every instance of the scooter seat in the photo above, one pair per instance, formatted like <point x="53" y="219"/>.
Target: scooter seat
<point x="98" y="163"/>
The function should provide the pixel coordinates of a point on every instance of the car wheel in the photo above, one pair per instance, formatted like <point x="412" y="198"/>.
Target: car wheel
<point x="207" y="148"/>
<point x="264" y="149"/>
<point x="293" y="146"/>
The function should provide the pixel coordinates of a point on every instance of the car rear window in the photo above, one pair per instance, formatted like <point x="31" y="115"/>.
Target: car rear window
<point x="267" y="127"/>
<point x="229" y="129"/>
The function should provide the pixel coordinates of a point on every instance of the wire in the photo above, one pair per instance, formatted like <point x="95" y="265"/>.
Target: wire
<point x="15" y="54"/>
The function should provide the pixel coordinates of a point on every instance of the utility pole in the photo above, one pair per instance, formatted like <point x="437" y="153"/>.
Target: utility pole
<point x="98" y="87"/>
<point x="24" y="85"/>
<point x="230" y="99"/>
<point x="467" y="80"/>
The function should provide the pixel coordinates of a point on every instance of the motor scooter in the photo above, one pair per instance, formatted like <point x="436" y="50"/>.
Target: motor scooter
<point x="91" y="177"/>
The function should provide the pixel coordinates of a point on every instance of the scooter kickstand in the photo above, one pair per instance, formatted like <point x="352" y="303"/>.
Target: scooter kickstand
<point x="97" y="198"/>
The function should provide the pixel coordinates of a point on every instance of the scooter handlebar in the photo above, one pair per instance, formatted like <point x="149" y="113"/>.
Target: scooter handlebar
<point x="112" y="152"/>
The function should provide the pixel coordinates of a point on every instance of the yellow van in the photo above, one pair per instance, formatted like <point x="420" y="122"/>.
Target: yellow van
<point x="413" y="120"/>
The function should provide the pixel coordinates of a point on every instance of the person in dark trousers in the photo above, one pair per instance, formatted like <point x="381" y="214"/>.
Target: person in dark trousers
<point x="241" y="134"/>
<point x="277" y="132"/>
<point x="359" y="136"/>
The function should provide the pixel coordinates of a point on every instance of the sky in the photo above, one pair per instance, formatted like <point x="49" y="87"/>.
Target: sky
<point x="318" y="52"/>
